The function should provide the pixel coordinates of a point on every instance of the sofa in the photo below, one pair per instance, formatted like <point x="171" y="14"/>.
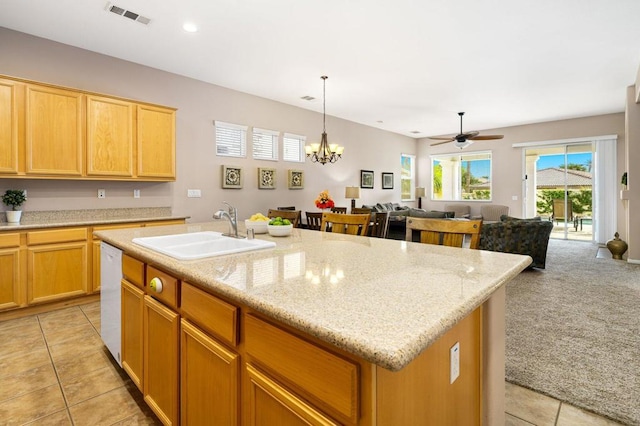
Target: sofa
<point x="520" y="236"/>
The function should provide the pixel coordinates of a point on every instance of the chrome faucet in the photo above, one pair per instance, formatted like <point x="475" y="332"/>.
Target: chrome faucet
<point x="232" y="216"/>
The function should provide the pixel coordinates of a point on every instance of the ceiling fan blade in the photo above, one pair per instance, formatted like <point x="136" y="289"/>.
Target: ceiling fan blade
<point x="486" y="137"/>
<point x="443" y="139"/>
<point x="443" y="142"/>
<point x="468" y="135"/>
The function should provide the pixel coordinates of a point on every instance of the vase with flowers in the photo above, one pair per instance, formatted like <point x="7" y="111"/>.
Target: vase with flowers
<point x="324" y="200"/>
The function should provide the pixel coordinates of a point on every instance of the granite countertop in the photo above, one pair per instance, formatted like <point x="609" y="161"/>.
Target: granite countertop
<point x="53" y="219"/>
<point x="383" y="300"/>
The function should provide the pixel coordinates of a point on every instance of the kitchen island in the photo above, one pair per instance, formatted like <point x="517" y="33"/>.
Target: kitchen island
<point x="329" y="328"/>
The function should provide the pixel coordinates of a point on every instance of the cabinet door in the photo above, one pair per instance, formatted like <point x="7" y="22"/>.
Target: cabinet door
<point x="132" y="329"/>
<point x="9" y="126"/>
<point x="56" y="271"/>
<point x="54" y="131"/>
<point x="156" y="142"/>
<point x="9" y="278"/>
<point x="271" y="404"/>
<point x="208" y="379"/>
<point x="161" y="368"/>
<point x="110" y="136"/>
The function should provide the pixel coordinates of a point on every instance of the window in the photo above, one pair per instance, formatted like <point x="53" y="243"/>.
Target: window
<point x="293" y="148"/>
<point x="407" y="177"/>
<point x="231" y="139"/>
<point x="265" y="144"/>
<point x="461" y="176"/>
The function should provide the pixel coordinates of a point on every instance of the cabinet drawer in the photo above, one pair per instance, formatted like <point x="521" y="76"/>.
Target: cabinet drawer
<point x="57" y="236"/>
<point x="9" y="240"/>
<point x="329" y="380"/>
<point x="214" y="315"/>
<point x="169" y="292"/>
<point x="133" y="270"/>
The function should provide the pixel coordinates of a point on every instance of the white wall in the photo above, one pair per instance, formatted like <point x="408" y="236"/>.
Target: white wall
<point x="199" y="104"/>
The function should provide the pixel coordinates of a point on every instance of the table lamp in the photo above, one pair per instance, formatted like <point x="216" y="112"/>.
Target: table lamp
<point x="420" y="192"/>
<point x="352" y="192"/>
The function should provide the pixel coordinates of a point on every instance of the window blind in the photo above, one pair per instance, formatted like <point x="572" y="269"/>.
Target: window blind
<point x="231" y="139"/>
<point x="265" y="144"/>
<point x="293" y="147"/>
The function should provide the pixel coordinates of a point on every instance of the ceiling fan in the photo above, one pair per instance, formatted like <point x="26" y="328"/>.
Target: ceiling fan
<point x="463" y="140"/>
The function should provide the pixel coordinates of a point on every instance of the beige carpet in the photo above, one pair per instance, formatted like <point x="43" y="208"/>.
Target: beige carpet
<point x="573" y="331"/>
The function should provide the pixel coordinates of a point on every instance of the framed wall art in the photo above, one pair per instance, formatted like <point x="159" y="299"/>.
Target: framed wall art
<point x="266" y="178"/>
<point x="366" y="179"/>
<point x="387" y="180"/>
<point x="232" y="177"/>
<point x="295" y="179"/>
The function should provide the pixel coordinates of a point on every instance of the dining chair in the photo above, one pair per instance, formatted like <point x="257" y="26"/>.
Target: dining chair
<point x="343" y="223"/>
<point x="380" y="224"/>
<point x="292" y="215"/>
<point x="360" y="210"/>
<point x="445" y="232"/>
<point x="342" y="210"/>
<point x="287" y="208"/>
<point x="314" y="219"/>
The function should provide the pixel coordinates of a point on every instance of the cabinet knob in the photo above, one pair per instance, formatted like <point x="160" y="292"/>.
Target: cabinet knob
<point x="156" y="284"/>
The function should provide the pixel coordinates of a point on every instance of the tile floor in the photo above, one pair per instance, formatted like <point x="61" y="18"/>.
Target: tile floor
<point x="55" y="371"/>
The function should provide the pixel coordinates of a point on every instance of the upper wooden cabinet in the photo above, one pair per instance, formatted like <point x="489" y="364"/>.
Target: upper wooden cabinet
<point x="9" y="126"/>
<point x="110" y="138"/>
<point x="156" y="142"/>
<point x="54" y="132"/>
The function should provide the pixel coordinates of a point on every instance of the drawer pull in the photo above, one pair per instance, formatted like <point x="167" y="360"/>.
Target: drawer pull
<point x="156" y="284"/>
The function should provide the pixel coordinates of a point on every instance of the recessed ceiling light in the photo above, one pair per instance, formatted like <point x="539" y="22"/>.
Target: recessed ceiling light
<point x="190" y="27"/>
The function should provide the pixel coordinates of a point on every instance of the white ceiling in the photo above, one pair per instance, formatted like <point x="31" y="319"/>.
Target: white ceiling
<point x="411" y="64"/>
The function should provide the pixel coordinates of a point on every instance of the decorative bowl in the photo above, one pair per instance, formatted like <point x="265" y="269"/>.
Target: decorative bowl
<point x="258" y="226"/>
<point x="279" y="230"/>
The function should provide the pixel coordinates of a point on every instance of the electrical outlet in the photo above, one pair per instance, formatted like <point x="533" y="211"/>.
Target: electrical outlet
<point x="194" y="193"/>
<point x="136" y="193"/>
<point x="514" y="197"/>
<point x="102" y="193"/>
<point x="454" y="357"/>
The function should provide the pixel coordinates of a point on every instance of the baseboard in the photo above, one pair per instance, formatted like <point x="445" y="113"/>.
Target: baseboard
<point x="46" y="307"/>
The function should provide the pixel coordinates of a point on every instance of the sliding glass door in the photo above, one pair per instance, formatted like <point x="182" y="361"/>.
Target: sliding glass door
<point x="559" y="188"/>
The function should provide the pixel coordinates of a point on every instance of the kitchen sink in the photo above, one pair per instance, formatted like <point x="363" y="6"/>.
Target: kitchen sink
<point x="198" y="245"/>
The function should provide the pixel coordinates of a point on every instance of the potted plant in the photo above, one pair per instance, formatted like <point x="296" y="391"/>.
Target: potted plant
<point x="14" y="198"/>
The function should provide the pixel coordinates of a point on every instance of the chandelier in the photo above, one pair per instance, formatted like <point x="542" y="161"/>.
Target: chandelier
<point x="324" y="152"/>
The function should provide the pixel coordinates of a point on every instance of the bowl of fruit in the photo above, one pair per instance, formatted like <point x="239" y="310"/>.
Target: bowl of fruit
<point x="279" y="227"/>
<point x="258" y="222"/>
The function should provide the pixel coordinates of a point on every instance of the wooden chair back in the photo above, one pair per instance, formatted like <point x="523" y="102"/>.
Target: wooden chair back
<point x="380" y="227"/>
<point x="314" y="219"/>
<point x="342" y="210"/>
<point x="292" y="215"/>
<point x="342" y="223"/>
<point x="445" y="232"/>
<point x="360" y="210"/>
<point x="287" y="208"/>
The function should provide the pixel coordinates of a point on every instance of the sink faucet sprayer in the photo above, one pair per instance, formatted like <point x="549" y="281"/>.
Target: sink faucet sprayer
<point x="232" y="216"/>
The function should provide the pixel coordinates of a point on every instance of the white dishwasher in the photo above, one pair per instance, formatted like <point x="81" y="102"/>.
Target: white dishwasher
<point x="110" y="277"/>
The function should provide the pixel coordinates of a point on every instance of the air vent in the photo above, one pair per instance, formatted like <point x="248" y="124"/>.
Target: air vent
<point x="415" y="132"/>
<point x="308" y="98"/>
<point x="127" y="14"/>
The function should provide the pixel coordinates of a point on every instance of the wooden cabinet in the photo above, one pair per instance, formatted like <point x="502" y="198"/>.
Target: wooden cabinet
<point x="268" y="403"/>
<point x="110" y="137"/>
<point x="161" y="344"/>
<point x="54" y="132"/>
<point x="209" y="379"/>
<point x="132" y="331"/>
<point x="156" y="142"/>
<point x="9" y="96"/>
<point x="10" y="271"/>
<point x="54" y="125"/>
<point x="56" y="264"/>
